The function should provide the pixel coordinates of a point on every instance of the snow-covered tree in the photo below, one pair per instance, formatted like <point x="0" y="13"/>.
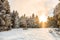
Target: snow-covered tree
<point x="52" y="22"/>
<point x="57" y="14"/>
<point x="23" y="22"/>
<point x="15" y="19"/>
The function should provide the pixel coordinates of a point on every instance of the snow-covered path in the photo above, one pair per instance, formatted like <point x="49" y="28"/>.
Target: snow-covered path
<point x="30" y="34"/>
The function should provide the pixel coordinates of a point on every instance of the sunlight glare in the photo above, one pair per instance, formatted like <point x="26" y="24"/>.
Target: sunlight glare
<point x="43" y="18"/>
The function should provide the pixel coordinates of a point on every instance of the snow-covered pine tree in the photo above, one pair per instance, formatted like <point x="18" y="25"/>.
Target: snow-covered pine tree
<point x="6" y="6"/>
<point x="15" y="19"/>
<point x="57" y="14"/>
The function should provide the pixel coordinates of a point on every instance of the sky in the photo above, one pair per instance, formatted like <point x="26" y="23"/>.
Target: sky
<point x="38" y="7"/>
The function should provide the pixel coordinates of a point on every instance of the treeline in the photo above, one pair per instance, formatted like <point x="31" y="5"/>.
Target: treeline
<point x="9" y="20"/>
<point x="33" y="22"/>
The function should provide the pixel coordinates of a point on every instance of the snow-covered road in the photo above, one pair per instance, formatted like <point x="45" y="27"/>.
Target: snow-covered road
<point x="30" y="34"/>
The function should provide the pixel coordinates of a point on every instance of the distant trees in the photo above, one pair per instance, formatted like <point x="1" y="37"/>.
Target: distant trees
<point x="32" y="22"/>
<point x="15" y="17"/>
<point x="52" y="22"/>
<point x="23" y="21"/>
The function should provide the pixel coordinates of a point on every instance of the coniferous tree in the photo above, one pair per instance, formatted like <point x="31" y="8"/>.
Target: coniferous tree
<point x="15" y="19"/>
<point x="57" y="14"/>
<point x="52" y="22"/>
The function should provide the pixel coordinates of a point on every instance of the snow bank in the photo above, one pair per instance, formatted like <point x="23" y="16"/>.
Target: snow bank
<point x="30" y="34"/>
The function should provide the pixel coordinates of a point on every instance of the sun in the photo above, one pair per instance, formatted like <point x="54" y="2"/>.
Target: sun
<point x="43" y="18"/>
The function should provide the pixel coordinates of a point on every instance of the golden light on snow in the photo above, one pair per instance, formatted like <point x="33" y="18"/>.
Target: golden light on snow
<point x="43" y="18"/>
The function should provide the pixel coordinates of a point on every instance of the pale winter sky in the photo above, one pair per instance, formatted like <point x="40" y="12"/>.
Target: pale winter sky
<point x="38" y="7"/>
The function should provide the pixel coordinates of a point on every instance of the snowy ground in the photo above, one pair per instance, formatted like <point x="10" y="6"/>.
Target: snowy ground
<point x="30" y="34"/>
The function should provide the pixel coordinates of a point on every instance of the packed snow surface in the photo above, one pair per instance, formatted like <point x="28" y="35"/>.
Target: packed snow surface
<point x="29" y="34"/>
